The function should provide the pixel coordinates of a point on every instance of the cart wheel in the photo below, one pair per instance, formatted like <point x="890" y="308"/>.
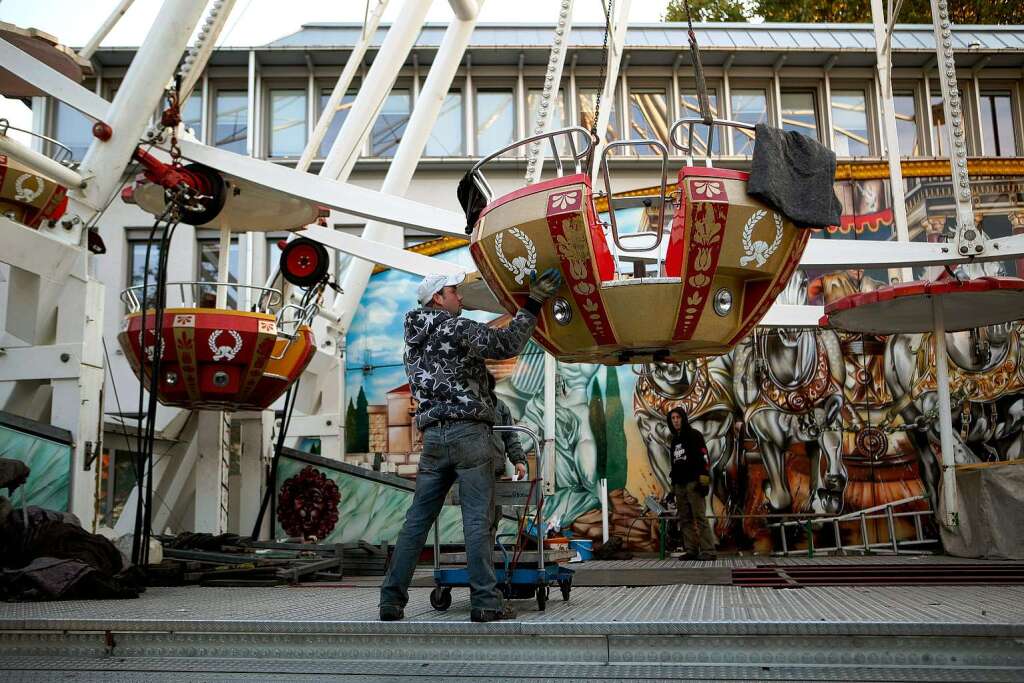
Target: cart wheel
<point x="304" y="262"/>
<point x="542" y="597"/>
<point x="441" y="598"/>
<point x="566" y="588"/>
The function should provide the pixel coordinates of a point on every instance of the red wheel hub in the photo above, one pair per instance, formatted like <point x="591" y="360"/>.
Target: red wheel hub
<point x="302" y="260"/>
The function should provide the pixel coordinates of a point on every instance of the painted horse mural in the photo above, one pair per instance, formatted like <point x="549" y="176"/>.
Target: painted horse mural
<point x="788" y="385"/>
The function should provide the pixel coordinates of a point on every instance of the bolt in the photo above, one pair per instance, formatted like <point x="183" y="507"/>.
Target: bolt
<point x="65" y="357"/>
<point x="978" y="248"/>
<point x="329" y="423"/>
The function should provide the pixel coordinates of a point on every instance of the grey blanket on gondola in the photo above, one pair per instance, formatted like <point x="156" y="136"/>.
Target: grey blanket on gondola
<point x="794" y="175"/>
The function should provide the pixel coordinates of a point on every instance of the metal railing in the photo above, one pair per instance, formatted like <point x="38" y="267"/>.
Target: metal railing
<point x="196" y="294"/>
<point x="581" y="158"/>
<point x="885" y="511"/>
<point x="659" y="231"/>
<point x="698" y="121"/>
<point x="54" y="149"/>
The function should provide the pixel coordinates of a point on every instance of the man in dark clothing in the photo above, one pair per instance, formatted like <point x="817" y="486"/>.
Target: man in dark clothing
<point x="506" y="444"/>
<point x="444" y="359"/>
<point x="690" y="484"/>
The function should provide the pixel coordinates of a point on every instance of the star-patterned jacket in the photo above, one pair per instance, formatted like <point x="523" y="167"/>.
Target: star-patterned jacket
<point x="444" y="359"/>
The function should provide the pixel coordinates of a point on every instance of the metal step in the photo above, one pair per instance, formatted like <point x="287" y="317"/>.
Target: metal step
<point x="938" y="574"/>
<point x="557" y="657"/>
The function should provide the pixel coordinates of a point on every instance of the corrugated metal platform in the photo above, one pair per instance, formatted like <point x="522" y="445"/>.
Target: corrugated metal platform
<point x="653" y="632"/>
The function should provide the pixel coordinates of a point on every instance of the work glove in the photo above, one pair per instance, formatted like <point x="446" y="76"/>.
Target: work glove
<point x="703" y="484"/>
<point x="544" y="287"/>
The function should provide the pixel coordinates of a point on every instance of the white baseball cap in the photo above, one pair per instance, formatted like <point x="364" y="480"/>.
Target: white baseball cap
<point x="435" y="282"/>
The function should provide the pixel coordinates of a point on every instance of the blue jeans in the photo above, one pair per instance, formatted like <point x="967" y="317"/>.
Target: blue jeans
<point x="454" y="450"/>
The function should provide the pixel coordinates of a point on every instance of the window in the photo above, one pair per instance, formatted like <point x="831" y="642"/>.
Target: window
<point x="800" y="114"/>
<point x="390" y="124"/>
<point x="997" y="124"/>
<point x="558" y="118"/>
<point x="192" y="114"/>
<point x="495" y="120"/>
<point x="905" y="105"/>
<point x="287" y="122"/>
<point x="72" y="129"/>
<point x="689" y="108"/>
<point x="850" y="123"/>
<point x="446" y="138"/>
<point x="586" y="105"/>
<point x="940" y="132"/>
<point x="137" y="264"/>
<point x="209" y="257"/>
<point x="231" y="120"/>
<point x="648" y="117"/>
<point x="337" y="120"/>
<point x="748" y="106"/>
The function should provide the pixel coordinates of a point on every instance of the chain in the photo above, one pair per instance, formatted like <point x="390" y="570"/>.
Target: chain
<point x="170" y="119"/>
<point x="608" y="12"/>
<point x="698" y="70"/>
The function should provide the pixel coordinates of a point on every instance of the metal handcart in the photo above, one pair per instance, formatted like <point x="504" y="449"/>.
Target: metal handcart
<point x="514" y="581"/>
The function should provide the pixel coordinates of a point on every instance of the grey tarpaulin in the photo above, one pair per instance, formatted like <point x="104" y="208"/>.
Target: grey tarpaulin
<point x="991" y="514"/>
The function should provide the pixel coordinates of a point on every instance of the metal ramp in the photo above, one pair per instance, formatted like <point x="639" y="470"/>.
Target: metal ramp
<point x="657" y="633"/>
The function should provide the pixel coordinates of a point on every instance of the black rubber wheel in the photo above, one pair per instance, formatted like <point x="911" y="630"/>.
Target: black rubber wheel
<point x="441" y="598"/>
<point x="542" y="597"/>
<point x="566" y="587"/>
<point x="304" y="262"/>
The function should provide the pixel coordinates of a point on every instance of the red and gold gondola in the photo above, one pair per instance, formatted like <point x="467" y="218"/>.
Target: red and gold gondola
<point x="726" y="258"/>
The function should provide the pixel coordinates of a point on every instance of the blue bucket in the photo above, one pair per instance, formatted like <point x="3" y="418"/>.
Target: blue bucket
<point x="584" y="549"/>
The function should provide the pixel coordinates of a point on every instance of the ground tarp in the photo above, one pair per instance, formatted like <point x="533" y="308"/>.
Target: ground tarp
<point x="991" y="514"/>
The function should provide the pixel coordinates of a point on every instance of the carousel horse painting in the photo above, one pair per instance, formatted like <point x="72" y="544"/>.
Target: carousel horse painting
<point x="788" y="385"/>
<point x="703" y="388"/>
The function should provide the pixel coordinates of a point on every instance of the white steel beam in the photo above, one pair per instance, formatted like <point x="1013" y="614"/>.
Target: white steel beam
<point x="137" y="98"/>
<point x="195" y="61"/>
<point x="400" y="38"/>
<point x="869" y="254"/>
<point x="407" y="156"/>
<point x="377" y="253"/>
<point x="350" y="199"/>
<point x="355" y="60"/>
<point x="59" y="86"/>
<point x="108" y="24"/>
<point x="616" y="45"/>
<point x="40" y="162"/>
<point x="54" y="361"/>
<point x="37" y="253"/>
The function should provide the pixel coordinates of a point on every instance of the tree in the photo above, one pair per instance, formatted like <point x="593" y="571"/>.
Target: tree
<point x="615" y="470"/>
<point x="843" y="11"/>
<point x="350" y="428"/>
<point x="362" y="423"/>
<point x="598" y="428"/>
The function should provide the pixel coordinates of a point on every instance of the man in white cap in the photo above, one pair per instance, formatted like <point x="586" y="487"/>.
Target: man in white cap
<point x="444" y="359"/>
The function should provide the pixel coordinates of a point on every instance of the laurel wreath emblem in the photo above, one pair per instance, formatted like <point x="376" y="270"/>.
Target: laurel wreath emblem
<point x="760" y="251"/>
<point x="28" y="195"/>
<point x="519" y="266"/>
<point x="225" y="352"/>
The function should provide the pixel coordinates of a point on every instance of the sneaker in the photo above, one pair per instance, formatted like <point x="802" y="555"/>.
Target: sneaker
<point x="481" y="616"/>
<point x="391" y="613"/>
<point x="707" y="557"/>
<point x="686" y="557"/>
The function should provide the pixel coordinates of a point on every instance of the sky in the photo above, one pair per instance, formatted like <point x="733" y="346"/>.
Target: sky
<point x="257" y="22"/>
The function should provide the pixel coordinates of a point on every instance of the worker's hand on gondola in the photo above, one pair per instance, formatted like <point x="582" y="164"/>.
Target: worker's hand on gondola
<point x="544" y="287"/>
<point x="520" y="471"/>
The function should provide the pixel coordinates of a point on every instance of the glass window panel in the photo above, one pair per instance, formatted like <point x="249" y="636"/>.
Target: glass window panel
<point x="940" y="133"/>
<point x="586" y="105"/>
<point x="495" y="120"/>
<point x="231" y="120"/>
<point x="446" y="138"/>
<point x="648" y="117"/>
<point x="558" y="118"/>
<point x="336" y="121"/>
<point x="799" y="113"/>
<point x="137" y="266"/>
<point x="690" y="108"/>
<point x="72" y="129"/>
<point x="209" y="257"/>
<point x="390" y="125"/>
<point x="905" y="106"/>
<point x="850" y="123"/>
<point x="192" y="114"/>
<point x="748" y="106"/>
<point x="997" y="125"/>
<point x="287" y="122"/>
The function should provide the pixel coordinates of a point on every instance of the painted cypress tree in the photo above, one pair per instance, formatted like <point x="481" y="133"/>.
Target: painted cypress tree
<point x="350" y="428"/>
<point x="598" y="427"/>
<point x="615" y="470"/>
<point x="362" y="423"/>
